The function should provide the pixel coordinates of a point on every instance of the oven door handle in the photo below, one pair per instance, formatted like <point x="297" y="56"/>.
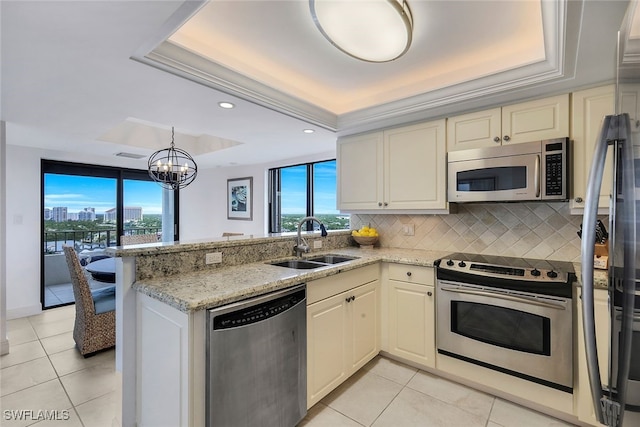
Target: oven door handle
<point x="508" y="297"/>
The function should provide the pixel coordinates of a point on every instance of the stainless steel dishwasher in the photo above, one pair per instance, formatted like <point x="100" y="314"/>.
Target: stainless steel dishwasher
<point x="257" y="361"/>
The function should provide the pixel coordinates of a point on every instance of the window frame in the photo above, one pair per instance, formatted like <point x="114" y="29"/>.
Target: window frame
<point x="275" y="191"/>
<point x="120" y="174"/>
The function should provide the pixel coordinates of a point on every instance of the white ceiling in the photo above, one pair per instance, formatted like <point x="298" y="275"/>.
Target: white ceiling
<point x="102" y="77"/>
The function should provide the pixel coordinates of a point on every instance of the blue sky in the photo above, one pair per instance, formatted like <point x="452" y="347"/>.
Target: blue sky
<point x="79" y="192"/>
<point x="294" y="188"/>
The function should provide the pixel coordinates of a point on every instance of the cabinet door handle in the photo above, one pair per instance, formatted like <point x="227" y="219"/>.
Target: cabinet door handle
<point x="506" y="138"/>
<point x="409" y="273"/>
<point x="430" y="293"/>
<point x="496" y="139"/>
<point x="379" y="203"/>
<point x="386" y="204"/>
<point x="578" y="199"/>
<point x="349" y="299"/>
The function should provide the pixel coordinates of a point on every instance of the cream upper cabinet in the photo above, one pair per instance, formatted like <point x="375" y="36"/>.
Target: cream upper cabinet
<point x="343" y="328"/>
<point x="588" y="109"/>
<point x="512" y="124"/>
<point x="396" y="169"/>
<point x="474" y="130"/>
<point x="411" y="313"/>
<point x="360" y="172"/>
<point x="629" y="102"/>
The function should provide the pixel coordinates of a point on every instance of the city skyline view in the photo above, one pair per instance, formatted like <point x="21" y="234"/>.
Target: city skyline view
<point x="76" y="192"/>
<point x="99" y="193"/>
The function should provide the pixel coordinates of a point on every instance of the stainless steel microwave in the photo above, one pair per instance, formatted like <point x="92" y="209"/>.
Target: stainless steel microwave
<point x="519" y="172"/>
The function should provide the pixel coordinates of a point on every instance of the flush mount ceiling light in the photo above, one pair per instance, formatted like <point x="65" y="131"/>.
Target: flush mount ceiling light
<point x="172" y="167"/>
<point x="226" y="105"/>
<point x="369" y="30"/>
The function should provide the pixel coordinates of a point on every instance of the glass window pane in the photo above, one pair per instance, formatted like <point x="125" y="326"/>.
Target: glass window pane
<point x="293" y="197"/>
<point x="143" y="207"/>
<point x="78" y="211"/>
<point x="324" y="196"/>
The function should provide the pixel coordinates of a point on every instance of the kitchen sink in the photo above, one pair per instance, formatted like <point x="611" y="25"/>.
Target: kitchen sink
<point x="332" y="259"/>
<point x="315" y="262"/>
<point x="299" y="264"/>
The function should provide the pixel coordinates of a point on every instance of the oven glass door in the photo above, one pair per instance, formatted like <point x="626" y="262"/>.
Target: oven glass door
<point x="501" y="178"/>
<point x="518" y="333"/>
<point x="633" y="385"/>
<point x="501" y="326"/>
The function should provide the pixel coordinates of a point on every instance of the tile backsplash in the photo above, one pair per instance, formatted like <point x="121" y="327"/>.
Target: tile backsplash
<point x="527" y="230"/>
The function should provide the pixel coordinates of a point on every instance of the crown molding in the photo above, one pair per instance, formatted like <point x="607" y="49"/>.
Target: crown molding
<point x="561" y="23"/>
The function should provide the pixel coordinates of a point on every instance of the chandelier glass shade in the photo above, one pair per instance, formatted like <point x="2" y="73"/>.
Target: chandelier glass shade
<point x="369" y="30"/>
<point x="172" y="167"/>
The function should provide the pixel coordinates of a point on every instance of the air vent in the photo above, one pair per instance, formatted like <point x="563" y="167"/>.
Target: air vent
<point x="130" y="155"/>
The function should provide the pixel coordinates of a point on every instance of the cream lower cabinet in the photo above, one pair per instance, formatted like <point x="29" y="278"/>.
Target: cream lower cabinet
<point x="582" y="391"/>
<point x="411" y="313"/>
<point x="170" y="365"/>
<point x="343" y="328"/>
<point x="529" y="121"/>
<point x="588" y="109"/>
<point x="396" y="169"/>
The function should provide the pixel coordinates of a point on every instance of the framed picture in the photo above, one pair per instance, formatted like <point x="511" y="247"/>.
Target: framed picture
<point x="240" y="198"/>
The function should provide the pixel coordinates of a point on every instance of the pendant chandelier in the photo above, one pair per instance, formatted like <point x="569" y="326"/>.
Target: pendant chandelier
<point x="172" y="167"/>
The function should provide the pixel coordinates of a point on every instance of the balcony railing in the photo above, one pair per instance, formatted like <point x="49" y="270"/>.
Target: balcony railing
<point x="89" y="239"/>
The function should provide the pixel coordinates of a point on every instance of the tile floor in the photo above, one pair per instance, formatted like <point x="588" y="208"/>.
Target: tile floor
<point x="388" y="393"/>
<point x="45" y="372"/>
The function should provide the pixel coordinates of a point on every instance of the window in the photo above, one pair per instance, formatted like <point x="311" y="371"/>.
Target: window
<point x="304" y="190"/>
<point x="90" y="207"/>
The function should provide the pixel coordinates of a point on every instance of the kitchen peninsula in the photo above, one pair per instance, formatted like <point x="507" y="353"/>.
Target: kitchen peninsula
<point x="164" y="290"/>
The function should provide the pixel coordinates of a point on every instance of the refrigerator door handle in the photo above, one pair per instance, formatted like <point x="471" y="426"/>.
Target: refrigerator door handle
<point x="588" y="251"/>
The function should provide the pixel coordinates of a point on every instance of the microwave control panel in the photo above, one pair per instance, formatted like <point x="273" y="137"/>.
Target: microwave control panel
<point x="555" y="154"/>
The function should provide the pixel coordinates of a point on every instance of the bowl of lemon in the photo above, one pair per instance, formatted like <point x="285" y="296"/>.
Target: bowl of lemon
<point x="366" y="237"/>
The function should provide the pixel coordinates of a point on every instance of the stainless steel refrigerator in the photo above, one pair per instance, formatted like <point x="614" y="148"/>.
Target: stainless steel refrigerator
<point x="618" y="404"/>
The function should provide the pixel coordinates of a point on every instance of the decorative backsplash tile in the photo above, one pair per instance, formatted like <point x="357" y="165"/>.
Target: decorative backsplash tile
<point x="527" y="230"/>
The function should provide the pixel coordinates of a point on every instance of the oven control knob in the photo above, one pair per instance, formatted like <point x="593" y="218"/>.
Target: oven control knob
<point x="552" y="274"/>
<point x="535" y="272"/>
<point x="462" y="264"/>
<point x="450" y="263"/>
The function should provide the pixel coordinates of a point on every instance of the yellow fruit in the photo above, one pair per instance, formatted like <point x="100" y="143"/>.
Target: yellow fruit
<point x="355" y="233"/>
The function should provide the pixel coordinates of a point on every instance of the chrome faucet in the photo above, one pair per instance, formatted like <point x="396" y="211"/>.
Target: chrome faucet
<point x="302" y="246"/>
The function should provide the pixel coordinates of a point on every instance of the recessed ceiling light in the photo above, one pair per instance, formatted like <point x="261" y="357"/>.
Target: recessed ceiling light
<point x="226" y="105"/>
<point x="308" y="131"/>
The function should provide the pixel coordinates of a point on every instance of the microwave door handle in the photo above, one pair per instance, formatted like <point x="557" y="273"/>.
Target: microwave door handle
<point x="537" y="176"/>
<point x="508" y="297"/>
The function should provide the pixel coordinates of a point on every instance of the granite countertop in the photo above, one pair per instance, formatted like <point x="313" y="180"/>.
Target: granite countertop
<point x="213" y="288"/>
<point x="207" y="289"/>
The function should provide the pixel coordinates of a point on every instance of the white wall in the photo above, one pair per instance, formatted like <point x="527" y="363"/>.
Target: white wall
<point x="202" y="215"/>
<point x="208" y="194"/>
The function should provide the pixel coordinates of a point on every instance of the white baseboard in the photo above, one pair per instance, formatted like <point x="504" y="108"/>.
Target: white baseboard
<point x="16" y="313"/>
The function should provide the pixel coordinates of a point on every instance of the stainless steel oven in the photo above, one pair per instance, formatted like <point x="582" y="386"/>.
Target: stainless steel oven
<point x="633" y="384"/>
<point x="497" y="313"/>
